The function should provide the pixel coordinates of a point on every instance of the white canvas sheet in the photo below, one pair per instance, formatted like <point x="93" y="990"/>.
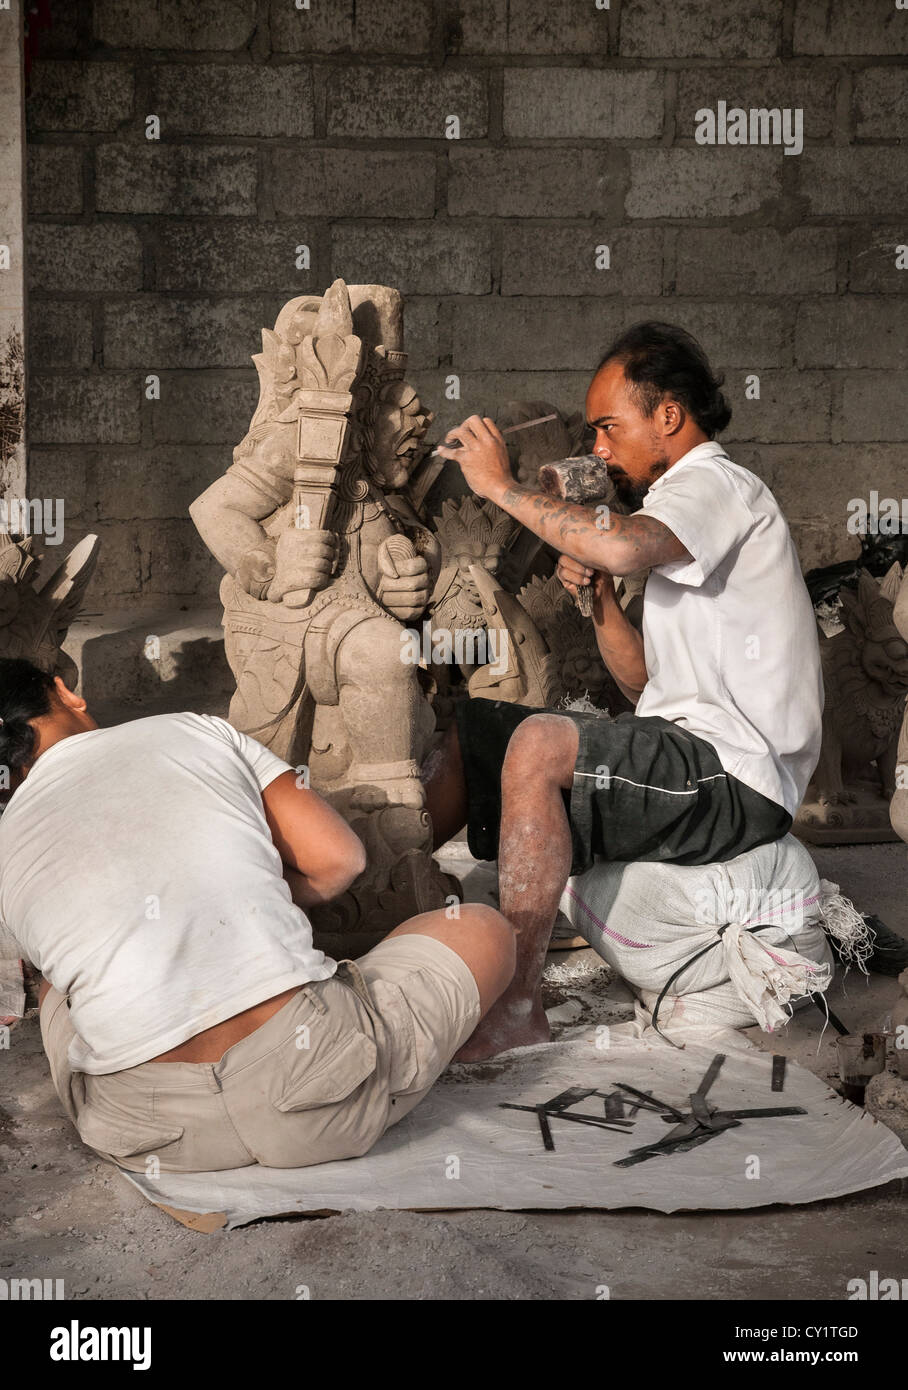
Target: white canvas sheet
<point x="459" y="1149"/>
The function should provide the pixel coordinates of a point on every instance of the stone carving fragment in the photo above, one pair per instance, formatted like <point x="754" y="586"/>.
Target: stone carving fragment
<point x="36" y="612"/>
<point x="865" y="674"/>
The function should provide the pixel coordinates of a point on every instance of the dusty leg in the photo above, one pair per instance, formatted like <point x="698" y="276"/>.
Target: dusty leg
<point x="534" y="860"/>
<point x="446" y="789"/>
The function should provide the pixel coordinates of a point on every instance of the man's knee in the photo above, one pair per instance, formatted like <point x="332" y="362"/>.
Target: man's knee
<point x="482" y="937"/>
<point x="491" y="925"/>
<point x="543" y="744"/>
<point x="463" y="922"/>
<point x="487" y="942"/>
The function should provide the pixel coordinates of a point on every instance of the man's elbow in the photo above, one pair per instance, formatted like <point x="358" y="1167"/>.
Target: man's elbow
<point x="336" y="876"/>
<point x="622" y="564"/>
<point x="356" y="863"/>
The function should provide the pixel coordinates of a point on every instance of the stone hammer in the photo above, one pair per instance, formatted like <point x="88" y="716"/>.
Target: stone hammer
<point x="583" y="481"/>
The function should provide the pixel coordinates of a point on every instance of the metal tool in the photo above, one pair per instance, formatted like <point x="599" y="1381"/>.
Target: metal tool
<point x="511" y="429"/>
<point x="838" y="1025"/>
<point x="595" y="1120"/>
<point x="712" y="1071"/>
<point x="547" y="1140"/>
<point x="690" y="1129"/>
<point x="570" y="1097"/>
<point x="768" y="1112"/>
<point x="619" y="1126"/>
<point x="702" y="1123"/>
<point x="649" y="1102"/>
<point x="614" y="1106"/>
<point x="680" y="1144"/>
<point x="778" y="1072"/>
<point x="701" y="1111"/>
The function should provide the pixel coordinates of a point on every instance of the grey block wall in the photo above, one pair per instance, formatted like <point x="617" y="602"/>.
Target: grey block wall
<point x="328" y="128"/>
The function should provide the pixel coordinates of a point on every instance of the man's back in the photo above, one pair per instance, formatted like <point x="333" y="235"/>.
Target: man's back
<point x="140" y="876"/>
<point x="730" y="636"/>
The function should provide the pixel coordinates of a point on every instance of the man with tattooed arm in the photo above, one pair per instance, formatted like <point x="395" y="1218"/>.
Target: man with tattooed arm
<point x="725" y="675"/>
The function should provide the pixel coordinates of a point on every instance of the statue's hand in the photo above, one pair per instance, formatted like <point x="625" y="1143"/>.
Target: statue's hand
<point x="405" y="583"/>
<point x="303" y="564"/>
<point x="256" y="570"/>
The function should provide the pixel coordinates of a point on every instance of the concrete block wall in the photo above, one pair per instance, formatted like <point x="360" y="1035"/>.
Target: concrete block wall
<point x="329" y="127"/>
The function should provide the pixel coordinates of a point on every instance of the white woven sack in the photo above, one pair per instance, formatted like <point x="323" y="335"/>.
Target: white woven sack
<point x="648" y="920"/>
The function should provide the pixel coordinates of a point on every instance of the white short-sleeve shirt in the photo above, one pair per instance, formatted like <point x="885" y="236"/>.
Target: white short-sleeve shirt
<point x="140" y="876"/>
<point x="730" y="636"/>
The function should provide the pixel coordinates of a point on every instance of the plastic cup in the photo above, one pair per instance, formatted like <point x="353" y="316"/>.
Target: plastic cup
<point x="861" y="1056"/>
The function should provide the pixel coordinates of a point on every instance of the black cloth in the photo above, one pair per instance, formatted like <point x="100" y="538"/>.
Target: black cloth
<point x="643" y="789"/>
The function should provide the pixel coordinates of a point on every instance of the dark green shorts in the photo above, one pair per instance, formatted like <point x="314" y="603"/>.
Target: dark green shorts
<point x="643" y="789"/>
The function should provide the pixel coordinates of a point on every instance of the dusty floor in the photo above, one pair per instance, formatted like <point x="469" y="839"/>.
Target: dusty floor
<point x="68" y="1215"/>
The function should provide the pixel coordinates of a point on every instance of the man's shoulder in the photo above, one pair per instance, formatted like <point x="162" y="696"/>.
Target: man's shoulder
<point x="718" y="469"/>
<point x="152" y="729"/>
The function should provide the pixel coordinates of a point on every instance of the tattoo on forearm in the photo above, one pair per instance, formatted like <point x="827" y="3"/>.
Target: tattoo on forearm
<point x="631" y="542"/>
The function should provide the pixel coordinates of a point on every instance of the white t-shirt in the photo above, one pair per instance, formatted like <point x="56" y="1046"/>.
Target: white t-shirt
<point x="730" y="637"/>
<point x="137" y="871"/>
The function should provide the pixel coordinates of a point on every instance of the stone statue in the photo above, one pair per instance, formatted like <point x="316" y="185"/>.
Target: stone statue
<point x="865" y="674"/>
<point x="471" y="532"/>
<point x="35" y="614"/>
<point x="569" y="637"/>
<point x="325" y="560"/>
<point x="553" y="659"/>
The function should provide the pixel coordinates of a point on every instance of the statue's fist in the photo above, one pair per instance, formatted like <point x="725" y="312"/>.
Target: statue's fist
<point x="256" y="570"/>
<point x="405" y="582"/>
<point x="304" y="561"/>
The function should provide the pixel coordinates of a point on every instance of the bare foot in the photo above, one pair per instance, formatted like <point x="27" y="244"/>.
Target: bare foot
<point x="520" y="1023"/>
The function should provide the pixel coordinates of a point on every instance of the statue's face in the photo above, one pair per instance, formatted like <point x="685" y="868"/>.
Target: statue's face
<point x="462" y="605"/>
<point x="400" y="426"/>
<point x="581" y="671"/>
<point x="885" y="660"/>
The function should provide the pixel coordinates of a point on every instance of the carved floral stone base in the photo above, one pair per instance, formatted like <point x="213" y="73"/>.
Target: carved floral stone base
<point x="865" y="821"/>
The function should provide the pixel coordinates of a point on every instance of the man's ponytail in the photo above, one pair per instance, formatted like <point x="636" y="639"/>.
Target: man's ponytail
<point x="25" y="694"/>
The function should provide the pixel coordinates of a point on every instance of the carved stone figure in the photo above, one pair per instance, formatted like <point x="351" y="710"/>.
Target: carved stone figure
<point x="551" y="648"/>
<point x="324" y="562"/>
<point x="471" y="533"/>
<point x="865" y="674"/>
<point x="35" y="613"/>
<point x="571" y="642"/>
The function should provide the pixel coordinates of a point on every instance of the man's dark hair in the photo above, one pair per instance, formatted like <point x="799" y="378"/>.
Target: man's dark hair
<point x="26" y="692"/>
<point x="662" y="360"/>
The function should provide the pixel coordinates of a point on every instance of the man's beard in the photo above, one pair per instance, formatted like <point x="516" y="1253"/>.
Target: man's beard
<point x="631" y="494"/>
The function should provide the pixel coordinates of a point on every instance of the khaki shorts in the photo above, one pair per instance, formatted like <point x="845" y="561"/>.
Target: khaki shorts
<point x="322" y="1079"/>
